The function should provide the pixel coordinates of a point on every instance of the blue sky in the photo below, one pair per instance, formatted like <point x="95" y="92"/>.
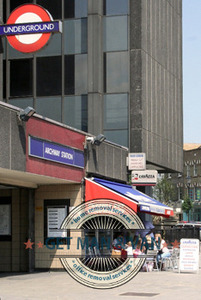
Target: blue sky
<point x="192" y="70"/>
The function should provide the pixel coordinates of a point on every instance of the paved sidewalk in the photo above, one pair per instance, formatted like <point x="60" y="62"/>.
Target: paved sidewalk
<point x="59" y="285"/>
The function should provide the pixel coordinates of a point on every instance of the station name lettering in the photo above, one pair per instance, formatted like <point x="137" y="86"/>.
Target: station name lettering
<point x="58" y="153"/>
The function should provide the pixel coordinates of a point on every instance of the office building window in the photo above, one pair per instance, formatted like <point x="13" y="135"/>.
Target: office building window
<point x="48" y="76"/>
<point x="116" y="7"/>
<point x="49" y="107"/>
<point x="116" y="118"/>
<point x="75" y="74"/>
<point x="116" y="72"/>
<point x="75" y="112"/>
<point x="75" y="33"/>
<point x="21" y="77"/>
<point x="81" y="74"/>
<point x="115" y="27"/>
<point x="53" y="6"/>
<point x="119" y="137"/>
<point x="75" y="9"/>
<point x="22" y="103"/>
<point x="116" y="111"/>
<point x="14" y="3"/>
<point x="4" y="11"/>
<point x="69" y="77"/>
<point x="53" y="47"/>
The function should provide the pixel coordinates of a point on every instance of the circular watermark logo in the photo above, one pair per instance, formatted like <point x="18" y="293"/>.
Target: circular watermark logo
<point x="92" y="261"/>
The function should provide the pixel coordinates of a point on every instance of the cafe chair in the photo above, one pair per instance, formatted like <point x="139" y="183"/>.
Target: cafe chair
<point x="151" y="260"/>
<point x="170" y="262"/>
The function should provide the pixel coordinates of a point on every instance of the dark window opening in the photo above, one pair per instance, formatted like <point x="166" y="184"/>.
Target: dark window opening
<point x="75" y="9"/>
<point x="53" y="6"/>
<point x="14" y="4"/>
<point x="69" y="9"/>
<point x="84" y="117"/>
<point x="4" y="11"/>
<point x="69" y="74"/>
<point x="6" y="217"/>
<point x="21" y="77"/>
<point x="48" y="76"/>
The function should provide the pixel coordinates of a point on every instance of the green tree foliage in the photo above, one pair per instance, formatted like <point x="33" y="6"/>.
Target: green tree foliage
<point x="164" y="191"/>
<point x="187" y="205"/>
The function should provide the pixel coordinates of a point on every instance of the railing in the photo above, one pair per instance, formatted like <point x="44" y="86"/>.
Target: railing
<point x="171" y="234"/>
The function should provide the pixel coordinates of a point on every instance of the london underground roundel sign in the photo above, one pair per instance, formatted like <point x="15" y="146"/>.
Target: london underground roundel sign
<point x="29" y="28"/>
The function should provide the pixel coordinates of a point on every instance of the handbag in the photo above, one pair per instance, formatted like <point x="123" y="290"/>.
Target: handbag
<point x="116" y="252"/>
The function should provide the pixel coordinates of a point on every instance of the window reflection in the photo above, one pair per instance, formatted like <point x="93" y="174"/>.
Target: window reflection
<point x="75" y="74"/>
<point x="117" y="136"/>
<point x="75" y="8"/>
<point x="49" y="107"/>
<point x="81" y="74"/>
<point x="116" y="111"/>
<point x="116" y="68"/>
<point x="22" y="103"/>
<point x="116" y="7"/>
<point x="75" y="112"/>
<point x="115" y="27"/>
<point x="75" y="32"/>
<point x="53" y="47"/>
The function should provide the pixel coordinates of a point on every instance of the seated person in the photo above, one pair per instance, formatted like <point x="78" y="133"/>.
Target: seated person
<point x="118" y="242"/>
<point x="163" y="249"/>
<point x="129" y="249"/>
<point x="138" y="250"/>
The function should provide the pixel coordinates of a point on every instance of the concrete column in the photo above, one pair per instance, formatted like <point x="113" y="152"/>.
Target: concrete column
<point x="95" y="67"/>
<point x="1" y="49"/>
<point x="135" y="141"/>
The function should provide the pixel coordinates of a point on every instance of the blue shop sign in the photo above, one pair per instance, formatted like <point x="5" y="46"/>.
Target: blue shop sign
<point x="55" y="152"/>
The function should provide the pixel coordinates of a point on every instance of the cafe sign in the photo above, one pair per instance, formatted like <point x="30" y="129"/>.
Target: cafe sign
<point x="147" y="177"/>
<point x="189" y="255"/>
<point x="29" y="28"/>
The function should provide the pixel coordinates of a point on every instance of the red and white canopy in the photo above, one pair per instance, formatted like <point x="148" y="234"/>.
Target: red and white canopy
<point x="96" y="188"/>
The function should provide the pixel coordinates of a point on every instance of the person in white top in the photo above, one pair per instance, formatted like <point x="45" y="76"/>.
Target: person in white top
<point x="129" y="249"/>
<point x="163" y="249"/>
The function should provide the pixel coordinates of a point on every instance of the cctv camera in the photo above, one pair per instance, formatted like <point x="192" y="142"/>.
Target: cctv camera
<point x="90" y="139"/>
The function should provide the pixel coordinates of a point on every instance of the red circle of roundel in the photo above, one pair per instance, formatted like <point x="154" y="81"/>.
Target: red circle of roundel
<point x="45" y="17"/>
